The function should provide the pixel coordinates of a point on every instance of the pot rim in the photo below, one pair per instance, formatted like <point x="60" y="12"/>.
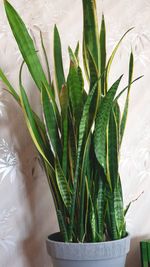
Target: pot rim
<point x="87" y="251"/>
<point x="51" y="239"/>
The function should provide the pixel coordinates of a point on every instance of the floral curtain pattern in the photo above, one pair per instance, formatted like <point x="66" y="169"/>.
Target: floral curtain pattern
<point x="27" y="214"/>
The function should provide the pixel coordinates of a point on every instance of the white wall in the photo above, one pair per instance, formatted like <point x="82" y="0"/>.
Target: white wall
<point x="26" y="210"/>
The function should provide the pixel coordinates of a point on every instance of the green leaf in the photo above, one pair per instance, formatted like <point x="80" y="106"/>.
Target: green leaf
<point x="125" y="111"/>
<point x="64" y="102"/>
<point x="112" y="57"/>
<point x="93" y="222"/>
<point x="9" y="86"/>
<point x="77" y="51"/>
<point x="119" y="210"/>
<point x="103" y="53"/>
<point x="63" y="185"/>
<point x="51" y="123"/>
<point x="101" y="206"/>
<point x="112" y="150"/>
<point x="82" y="212"/>
<point x="73" y="57"/>
<point x="82" y="128"/>
<point x="62" y="225"/>
<point x="94" y="75"/>
<point x="90" y="33"/>
<point x="124" y="89"/>
<point x="12" y="91"/>
<point x="33" y="129"/>
<point x="75" y="91"/>
<point x="101" y="125"/>
<point x="59" y="71"/>
<point x="46" y="58"/>
<point x="85" y="61"/>
<point x="26" y="46"/>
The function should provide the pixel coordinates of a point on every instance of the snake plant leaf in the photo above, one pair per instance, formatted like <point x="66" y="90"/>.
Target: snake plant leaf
<point x="72" y="145"/>
<point x="94" y="75"/>
<point x="101" y="125"/>
<point x="73" y="57"/>
<point x="17" y="98"/>
<point x="112" y="150"/>
<point x="64" y="102"/>
<point x="51" y="122"/>
<point x="77" y="52"/>
<point x="82" y="128"/>
<point x="33" y="129"/>
<point x="125" y="111"/>
<point x="26" y="46"/>
<point x="103" y="53"/>
<point x="115" y="213"/>
<point x="124" y="89"/>
<point x="75" y="91"/>
<point x="85" y="161"/>
<point x="117" y="115"/>
<point x="46" y="59"/>
<point x="85" y="61"/>
<point x="9" y="86"/>
<point x="62" y="225"/>
<point x="90" y="33"/>
<point x="108" y="67"/>
<point x="101" y="207"/>
<point x="59" y="71"/>
<point x="119" y="210"/>
<point x="111" y="220"/>
<point x="93" y="222"/>
<point x="63" y="185"/>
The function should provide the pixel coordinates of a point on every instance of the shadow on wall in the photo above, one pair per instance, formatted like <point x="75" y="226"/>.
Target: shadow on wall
<point x="36" y="217"/>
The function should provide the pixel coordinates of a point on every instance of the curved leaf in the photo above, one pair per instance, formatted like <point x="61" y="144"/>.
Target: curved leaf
<point x="103" y="53"/>
<point x="101" y="125"/>
<point x="63" y="185"/>
<point x="90" y="32"/>
<point x="125" y="111"/>
<point x="26" y="45"/>
<point x="59" y="71"/>
<point x="112" y="57"/>
<point x="46" y="58"/>
<point x="35" y="134"/>
<point x="64" y="102"/>
<point x="51" y="123"/>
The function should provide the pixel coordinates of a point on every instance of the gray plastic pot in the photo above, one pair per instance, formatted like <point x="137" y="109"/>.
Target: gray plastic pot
<point x="104" y="254"/>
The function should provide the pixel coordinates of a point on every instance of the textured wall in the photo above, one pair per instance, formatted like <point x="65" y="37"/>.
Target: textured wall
<point x="26" y="208"/>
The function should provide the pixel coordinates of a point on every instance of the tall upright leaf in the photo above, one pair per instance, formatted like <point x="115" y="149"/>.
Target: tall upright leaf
<point x="46" y="58"/>
<point x="59" y="71"/>
<point x="82" y="128"/>
<point x="62" y="185"/>
<point x="101" y="125"/>
<point x="9" y="86"/>
<point x="64" y="102"/>
<point x="51" y="123"/>
<point x="75" y="90"/>
<point x="125" y="111"/>
<point x="91" y="36"/>
<point x="108" y="66"/>
<point x="26" y="46"/>
<point x="112" y="149"/>
<point x="35" y="134"/>
<point x="103" y="53"/>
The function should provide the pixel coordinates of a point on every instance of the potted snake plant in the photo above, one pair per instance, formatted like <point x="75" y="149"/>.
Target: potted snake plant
<point x="79" y="140"/>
